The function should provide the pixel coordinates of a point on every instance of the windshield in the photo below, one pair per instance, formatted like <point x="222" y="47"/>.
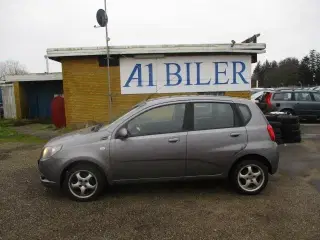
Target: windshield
<point x="124" y="115"/>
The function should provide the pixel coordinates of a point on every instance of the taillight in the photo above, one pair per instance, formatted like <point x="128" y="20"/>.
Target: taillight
<point x="271" y="133"/>
<point x="268" y="99"/>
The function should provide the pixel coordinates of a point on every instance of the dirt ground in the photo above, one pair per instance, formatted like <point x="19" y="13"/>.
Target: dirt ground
<point x="289" y="208"/>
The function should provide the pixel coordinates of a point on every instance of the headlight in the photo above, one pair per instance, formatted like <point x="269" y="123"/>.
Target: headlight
<point x="50" y="151"/>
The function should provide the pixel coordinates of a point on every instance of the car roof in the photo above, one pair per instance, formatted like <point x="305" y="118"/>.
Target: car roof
<point x="167" y="99"/>
<point x="296" y="90"/>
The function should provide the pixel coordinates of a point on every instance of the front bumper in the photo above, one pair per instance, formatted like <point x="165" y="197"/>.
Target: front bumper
<point x="48" y="174"/>
<point x="47" y="182"/>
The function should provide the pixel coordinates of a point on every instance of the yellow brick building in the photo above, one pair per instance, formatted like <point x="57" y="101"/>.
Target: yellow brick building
<point x="85" y="85"/>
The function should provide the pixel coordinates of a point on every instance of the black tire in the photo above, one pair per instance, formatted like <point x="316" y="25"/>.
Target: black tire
<point x="233" y="177"/>
<point x="278" y="136"/>
<point x="292" y="134"/>
<point x="275" y="124"/>
<point x="287" y="119"/>
<point x="99" y="180"/>
<point x="297" y="139"/>
<point x="290" y="127"/>
<point x="294" y="137"/>
<point x="277" y="131"/>
<point x="292" y="140"/>
<point x="272" y="118"/>
<point x="279" y="141"/>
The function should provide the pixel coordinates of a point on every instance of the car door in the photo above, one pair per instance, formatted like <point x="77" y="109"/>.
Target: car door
<point x="316" y="103"/>
<point x="155" y="147"/>
<point x="282" y="100"/>
<point x="304" y="106"/>
<point x="215" y="140"/>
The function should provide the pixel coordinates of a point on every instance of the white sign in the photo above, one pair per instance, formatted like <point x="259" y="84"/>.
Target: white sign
<point x="185" y="74"/>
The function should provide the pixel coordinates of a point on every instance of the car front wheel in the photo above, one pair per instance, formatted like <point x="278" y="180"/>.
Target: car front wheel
<point x="249" y="177"/>
<point x="84" y="182"/>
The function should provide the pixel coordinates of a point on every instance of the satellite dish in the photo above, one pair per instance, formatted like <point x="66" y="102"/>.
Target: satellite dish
<point x="102" y="18"/>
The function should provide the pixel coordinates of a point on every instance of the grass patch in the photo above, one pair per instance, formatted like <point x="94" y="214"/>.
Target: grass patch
<point x="7" y="134"/>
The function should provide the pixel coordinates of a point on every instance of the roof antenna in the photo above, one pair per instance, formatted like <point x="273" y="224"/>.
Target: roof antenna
<point x="252" y="39"/>
<point x="47" y="63"/>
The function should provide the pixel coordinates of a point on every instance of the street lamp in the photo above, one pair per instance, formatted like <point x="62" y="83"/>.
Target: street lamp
<point x="102" y="19"/>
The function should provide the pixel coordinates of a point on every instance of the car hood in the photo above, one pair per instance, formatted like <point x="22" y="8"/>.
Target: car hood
<point x="82" y="136"/>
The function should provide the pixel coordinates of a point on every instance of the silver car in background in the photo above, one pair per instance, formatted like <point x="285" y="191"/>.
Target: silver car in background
<point x="301" y="102"/>
<point x="171" y="138"/>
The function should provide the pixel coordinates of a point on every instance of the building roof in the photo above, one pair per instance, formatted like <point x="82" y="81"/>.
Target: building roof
<point x="33" y="77"/>
<point x="238" y="48"/>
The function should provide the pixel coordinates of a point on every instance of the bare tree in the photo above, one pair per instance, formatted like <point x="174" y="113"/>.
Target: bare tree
<point x="11" y="67"/>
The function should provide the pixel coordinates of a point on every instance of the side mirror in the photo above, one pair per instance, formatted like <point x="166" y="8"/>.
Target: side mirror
<point x="123" y="133"/>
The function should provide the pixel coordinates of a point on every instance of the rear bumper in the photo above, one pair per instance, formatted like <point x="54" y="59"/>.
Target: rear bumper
<point x="274" y="160"/>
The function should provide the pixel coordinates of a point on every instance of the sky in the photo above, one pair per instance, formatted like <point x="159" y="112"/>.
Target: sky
<point x="290" y="28"/>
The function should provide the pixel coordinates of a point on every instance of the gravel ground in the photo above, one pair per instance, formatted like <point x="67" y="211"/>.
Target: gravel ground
<point x="289" y="208"/>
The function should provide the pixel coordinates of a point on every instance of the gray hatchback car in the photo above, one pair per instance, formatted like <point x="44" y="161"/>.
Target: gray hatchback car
<point x="171" y="138"/>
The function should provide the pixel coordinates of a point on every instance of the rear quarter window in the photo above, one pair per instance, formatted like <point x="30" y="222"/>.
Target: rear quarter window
<point x="245" y="112"/>
<point x="284" y="96"/>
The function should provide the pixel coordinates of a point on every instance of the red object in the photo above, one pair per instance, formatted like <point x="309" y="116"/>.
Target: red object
<point x="271" y="133"/>
<point x="268" y="99"/>
<point x="57" y="112"/>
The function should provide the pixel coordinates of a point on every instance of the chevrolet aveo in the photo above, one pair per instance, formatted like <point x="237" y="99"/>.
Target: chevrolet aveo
<point x="172" y="138"/>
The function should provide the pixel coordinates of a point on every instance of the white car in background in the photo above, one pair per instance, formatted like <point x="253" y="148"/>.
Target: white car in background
<point x="256" y="96"/>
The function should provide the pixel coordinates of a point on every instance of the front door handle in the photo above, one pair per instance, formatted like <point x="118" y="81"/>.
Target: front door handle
<point x="173" y="140"/>
<point x="235" y="134"/>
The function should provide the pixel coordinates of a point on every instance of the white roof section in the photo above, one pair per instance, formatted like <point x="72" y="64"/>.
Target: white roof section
<point x="245" y="48"/>
<point x="34" y="77"/>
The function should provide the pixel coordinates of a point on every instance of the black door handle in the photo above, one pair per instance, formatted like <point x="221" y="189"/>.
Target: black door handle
<point x="173" y="140"/>
<point x="235" y="134"/>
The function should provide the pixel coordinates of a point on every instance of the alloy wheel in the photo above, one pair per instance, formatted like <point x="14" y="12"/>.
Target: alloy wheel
<point x="251" y="178"/>
<point x="83" y="184"/>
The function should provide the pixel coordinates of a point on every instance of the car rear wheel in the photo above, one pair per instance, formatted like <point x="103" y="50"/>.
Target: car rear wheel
<point x="249" y="177"/>
<point x="84" y="182"/>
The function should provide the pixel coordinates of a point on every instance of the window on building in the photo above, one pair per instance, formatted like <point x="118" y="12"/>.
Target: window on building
<point x="160" y="120"/>
<point x="213" y="116"/>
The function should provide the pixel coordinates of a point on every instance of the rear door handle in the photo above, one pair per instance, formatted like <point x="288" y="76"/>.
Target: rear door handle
<point x="235" y="134"/>
<point x="173" y="140"/>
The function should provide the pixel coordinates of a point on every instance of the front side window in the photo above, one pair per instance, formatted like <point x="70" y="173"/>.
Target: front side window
<point x="302" y="96"/>
<point x="213" y="116"/>
<point x="284" y="96"/>
<point x="316" y="97"/>
<point x="160" y="120"/>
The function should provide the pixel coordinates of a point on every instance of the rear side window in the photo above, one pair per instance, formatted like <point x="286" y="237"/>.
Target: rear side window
<point x="302" y="96"/>
<point x="210" y="115"/>
<point x="316" y="97"/>
<point x="284" y="96"/>
<point x="245" y="112"/>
